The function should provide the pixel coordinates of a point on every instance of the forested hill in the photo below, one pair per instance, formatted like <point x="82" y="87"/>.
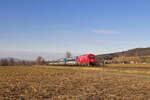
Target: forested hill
<point x="130" y="53"/>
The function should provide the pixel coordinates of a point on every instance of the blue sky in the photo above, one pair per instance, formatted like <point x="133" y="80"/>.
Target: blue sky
<point x="49" y="28"/>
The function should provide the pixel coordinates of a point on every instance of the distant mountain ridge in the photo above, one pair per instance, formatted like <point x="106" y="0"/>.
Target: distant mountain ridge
<point x="130" y="53"/>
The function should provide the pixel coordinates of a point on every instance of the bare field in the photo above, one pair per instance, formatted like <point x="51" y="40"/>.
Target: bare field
<point x="129" y="65"/>
<point x="69" y="83"/>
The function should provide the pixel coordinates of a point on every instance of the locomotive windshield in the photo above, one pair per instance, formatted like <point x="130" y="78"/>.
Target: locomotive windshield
<point x="92" y="57"/>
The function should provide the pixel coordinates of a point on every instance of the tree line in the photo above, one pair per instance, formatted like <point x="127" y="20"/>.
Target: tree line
<point x="39" y="61"/>
<point x="11" y="62"/>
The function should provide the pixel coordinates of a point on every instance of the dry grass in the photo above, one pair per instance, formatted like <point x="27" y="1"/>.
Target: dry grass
<point x="105" y="69"/>
<point x="129" y="65"/>
<point x="68" y="83"/>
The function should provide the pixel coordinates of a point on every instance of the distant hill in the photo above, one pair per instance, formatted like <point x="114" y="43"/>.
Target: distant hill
<point x="130" y="53"/>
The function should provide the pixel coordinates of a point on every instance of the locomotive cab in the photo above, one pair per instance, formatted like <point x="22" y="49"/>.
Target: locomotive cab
<point x="91" y="60"/>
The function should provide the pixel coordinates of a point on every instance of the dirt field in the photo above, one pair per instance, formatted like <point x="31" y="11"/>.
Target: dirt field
<point x="61" y="83"/>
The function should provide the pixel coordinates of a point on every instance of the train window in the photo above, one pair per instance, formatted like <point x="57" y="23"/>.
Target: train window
<point x="92" y="57"/>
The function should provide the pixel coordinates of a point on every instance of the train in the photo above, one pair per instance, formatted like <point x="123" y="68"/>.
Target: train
<point x="85" y="60"/>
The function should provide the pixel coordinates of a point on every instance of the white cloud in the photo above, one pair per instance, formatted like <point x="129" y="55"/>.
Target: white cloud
<point x="106" y="32"/>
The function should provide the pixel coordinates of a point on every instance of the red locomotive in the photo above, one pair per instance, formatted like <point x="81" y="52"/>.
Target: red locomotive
<point x="88" y="59"/>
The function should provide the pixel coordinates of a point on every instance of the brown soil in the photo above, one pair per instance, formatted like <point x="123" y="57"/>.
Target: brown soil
<point x="44" y="83"/>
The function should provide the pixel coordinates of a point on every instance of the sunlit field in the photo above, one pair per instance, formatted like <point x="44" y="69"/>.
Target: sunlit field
<point x="129" y="65"/>
<point x="120" y="70"/>
<point x="70" y="83"/>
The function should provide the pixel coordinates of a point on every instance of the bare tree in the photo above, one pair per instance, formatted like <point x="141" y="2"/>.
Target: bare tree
<point x="40" y="61"/>
<point x="11" y="62"/>
<point x="43" y="62"/>
<point x="68" y="54"/>
<point x="23" y="62"/>
<point x="4" y="62"/>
